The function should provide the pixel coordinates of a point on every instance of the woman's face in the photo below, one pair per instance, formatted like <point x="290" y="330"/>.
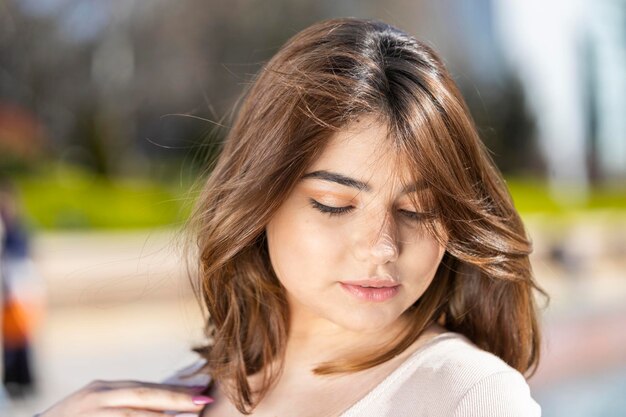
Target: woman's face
<point x="325" y="260"/>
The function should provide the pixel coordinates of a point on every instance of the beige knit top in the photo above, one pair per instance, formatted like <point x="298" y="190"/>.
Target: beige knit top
<point x="447" y="376"/>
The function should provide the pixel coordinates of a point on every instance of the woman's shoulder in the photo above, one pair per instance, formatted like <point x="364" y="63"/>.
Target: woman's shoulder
<point x="453" y="355"/>
<point x="470" y="380"/>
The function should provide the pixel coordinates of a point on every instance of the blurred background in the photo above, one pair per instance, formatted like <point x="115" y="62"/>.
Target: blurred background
<point x="108" y="110"/>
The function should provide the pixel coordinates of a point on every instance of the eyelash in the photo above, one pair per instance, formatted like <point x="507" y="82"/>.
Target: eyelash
<point x="336" y="211"/>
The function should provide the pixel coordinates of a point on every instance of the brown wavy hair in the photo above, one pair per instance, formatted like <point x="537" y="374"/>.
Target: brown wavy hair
<point x="323" y="78"/>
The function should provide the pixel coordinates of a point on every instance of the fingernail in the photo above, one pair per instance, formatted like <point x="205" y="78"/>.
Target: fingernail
<point x="186" y="415"/>
<point x="201" y="399"/>
<point x="197" y="387"/>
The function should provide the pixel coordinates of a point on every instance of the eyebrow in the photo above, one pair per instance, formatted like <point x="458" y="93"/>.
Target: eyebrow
<point x="354" y="183"/>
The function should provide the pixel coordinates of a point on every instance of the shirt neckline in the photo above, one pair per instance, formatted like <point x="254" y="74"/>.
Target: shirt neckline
<point x="395" y="373"/>
<point x="374" y="392"/>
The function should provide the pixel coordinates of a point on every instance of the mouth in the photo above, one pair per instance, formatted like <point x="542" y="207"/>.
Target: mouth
<point x="371" y="291"/>
<point x="372" y="283"/>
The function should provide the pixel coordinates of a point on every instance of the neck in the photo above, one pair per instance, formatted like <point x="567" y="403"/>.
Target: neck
<point x="313" y="341"/>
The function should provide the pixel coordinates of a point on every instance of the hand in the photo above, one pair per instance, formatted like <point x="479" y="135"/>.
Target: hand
<point x="129" y="399"/>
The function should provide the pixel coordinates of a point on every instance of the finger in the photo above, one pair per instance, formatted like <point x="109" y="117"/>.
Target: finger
<point x="107" y="385"/>
<point x="131" y="412"/>
<point x="153" y="398"/>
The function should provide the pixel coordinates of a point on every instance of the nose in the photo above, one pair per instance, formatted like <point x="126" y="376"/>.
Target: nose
<point x="383" y="246"/>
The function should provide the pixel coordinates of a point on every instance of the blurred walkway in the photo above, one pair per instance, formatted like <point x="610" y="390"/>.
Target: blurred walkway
<point x="119" y="307"/>
<point x="137" y="341"/>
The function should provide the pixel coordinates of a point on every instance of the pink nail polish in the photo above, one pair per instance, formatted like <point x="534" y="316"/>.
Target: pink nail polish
<point x="197" y="387"/>
<point x="201" y="399"/>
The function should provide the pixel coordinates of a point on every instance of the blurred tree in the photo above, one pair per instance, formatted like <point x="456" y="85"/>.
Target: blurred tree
<point x="102" y="76"/>
<point x="506" y="127"/>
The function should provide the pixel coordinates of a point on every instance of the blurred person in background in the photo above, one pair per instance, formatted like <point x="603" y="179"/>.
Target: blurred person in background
<point x="3" y="395"/>
<point x="22" y="298"/>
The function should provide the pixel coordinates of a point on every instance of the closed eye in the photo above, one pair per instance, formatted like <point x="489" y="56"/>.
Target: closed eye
<point x="332" y="211"/>
<point x="416" y="216"/>
<point x="336" y="211"/>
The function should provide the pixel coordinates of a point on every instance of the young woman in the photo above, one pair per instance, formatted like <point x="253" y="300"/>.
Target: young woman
<point x="358" y="251"/>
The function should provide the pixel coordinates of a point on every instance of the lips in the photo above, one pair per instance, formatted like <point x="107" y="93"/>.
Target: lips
<point x="375" y="283"/>
<point x="371" y="289"/>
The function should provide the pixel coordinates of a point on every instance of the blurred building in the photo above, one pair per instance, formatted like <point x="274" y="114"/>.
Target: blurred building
<point x="571" y="58"/>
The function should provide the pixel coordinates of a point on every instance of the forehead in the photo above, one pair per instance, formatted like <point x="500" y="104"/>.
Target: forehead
<point x="364" y="147"/>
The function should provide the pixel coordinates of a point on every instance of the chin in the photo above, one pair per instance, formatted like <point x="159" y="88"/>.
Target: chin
<point x="363" y="321"/>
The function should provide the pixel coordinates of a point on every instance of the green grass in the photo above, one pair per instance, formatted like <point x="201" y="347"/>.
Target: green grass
<point x="68" y="198"/>
<point x="533" y="196"/>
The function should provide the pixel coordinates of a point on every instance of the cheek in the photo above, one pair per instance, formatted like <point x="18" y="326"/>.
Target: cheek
<point x="422" y="261"/>
<point x="301" y="247"/>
